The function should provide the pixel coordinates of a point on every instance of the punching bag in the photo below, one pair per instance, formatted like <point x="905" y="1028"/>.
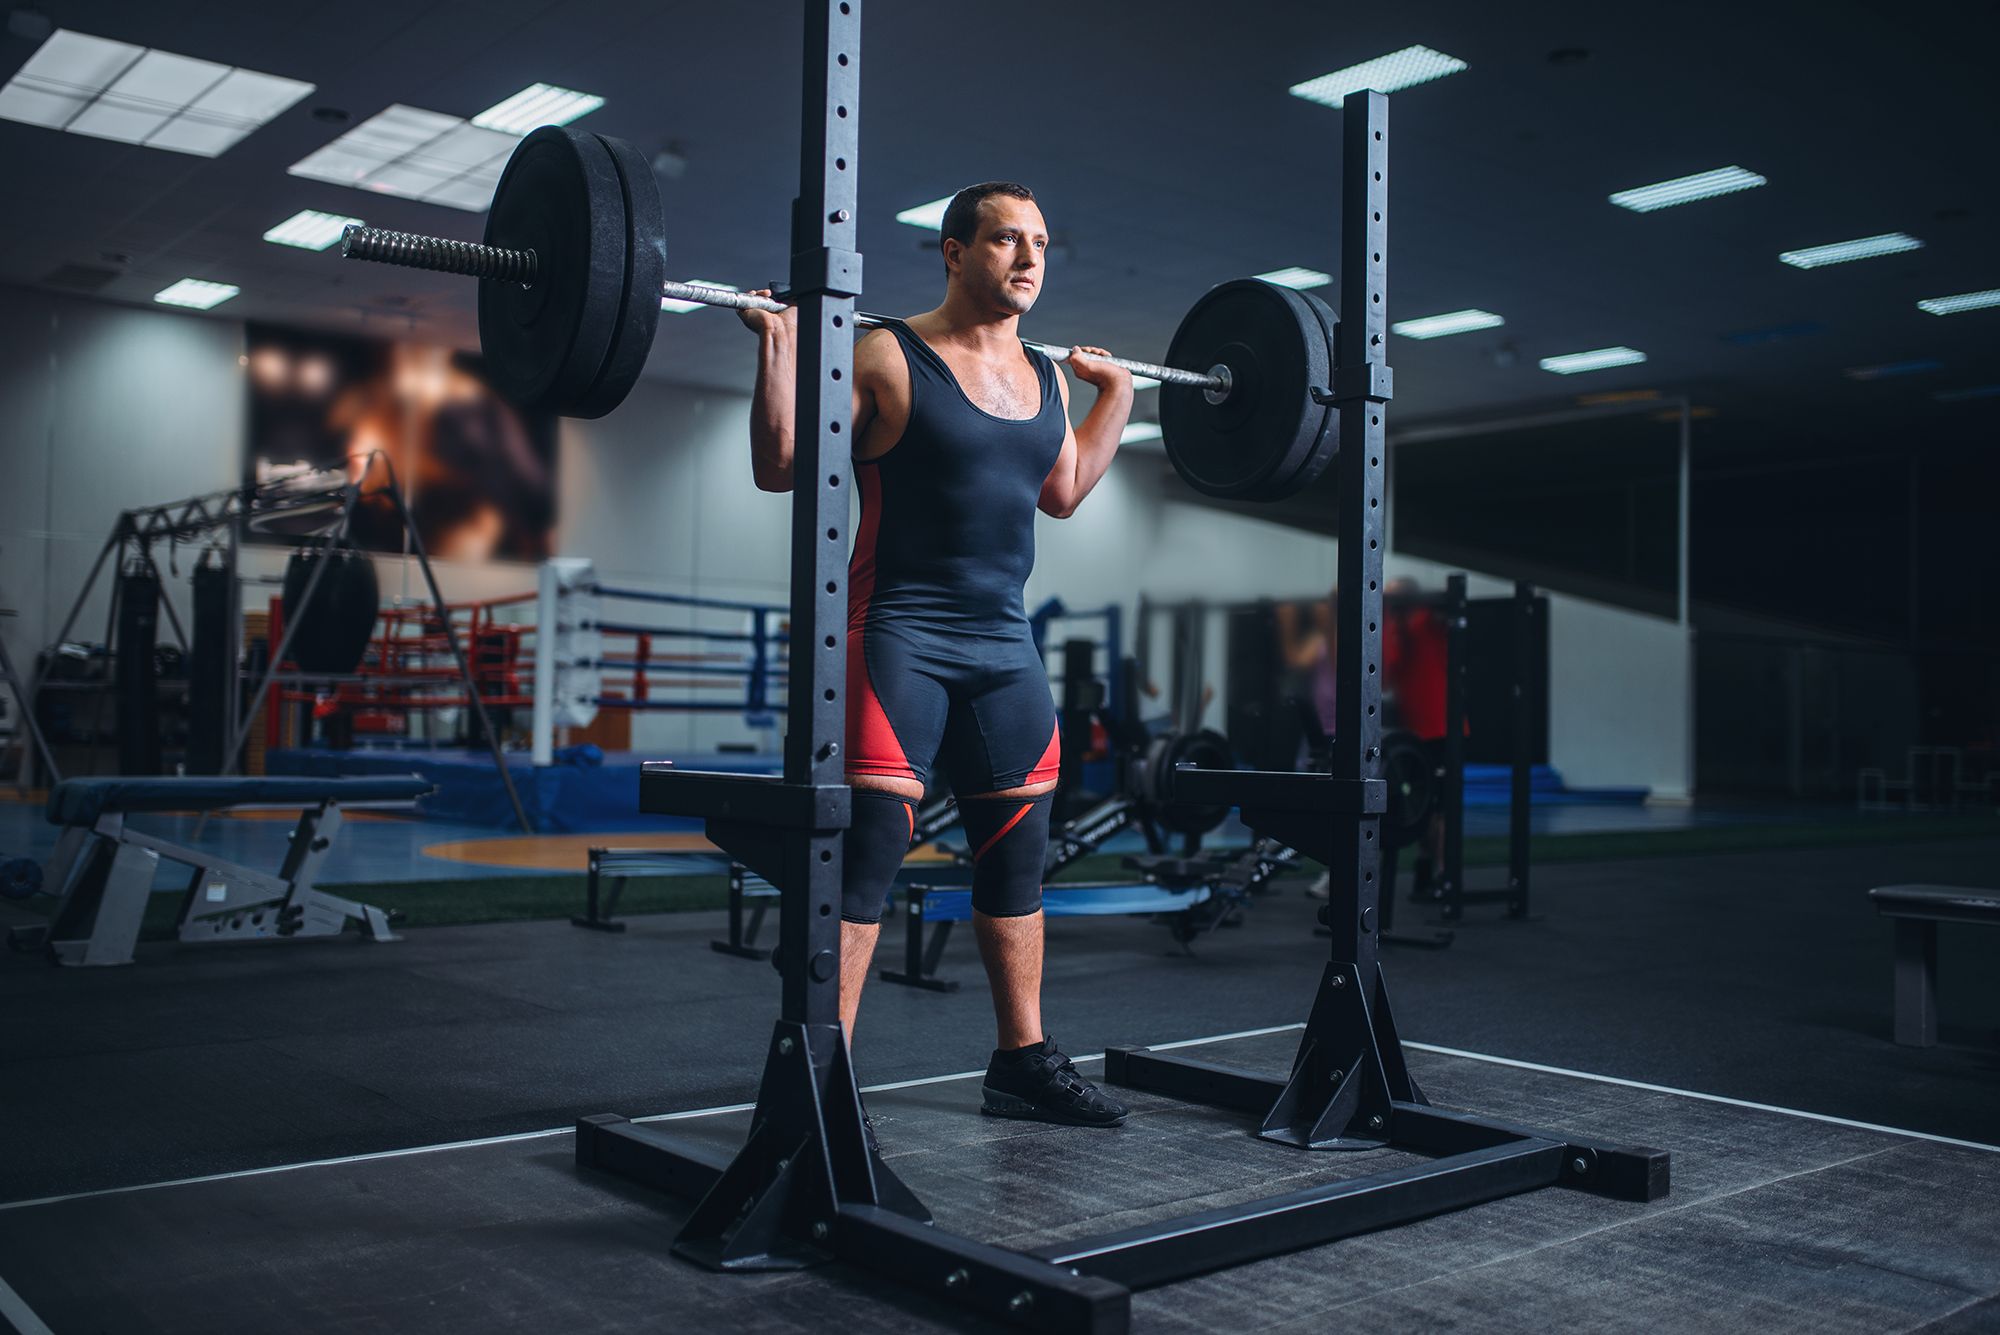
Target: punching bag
<point x="333" y="630"/>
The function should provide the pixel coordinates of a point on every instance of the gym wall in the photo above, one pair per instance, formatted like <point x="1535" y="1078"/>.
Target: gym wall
<point x="104" y="407"/>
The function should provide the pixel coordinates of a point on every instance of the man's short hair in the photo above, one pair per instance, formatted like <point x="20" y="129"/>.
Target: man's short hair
<point x="961" y="216"/>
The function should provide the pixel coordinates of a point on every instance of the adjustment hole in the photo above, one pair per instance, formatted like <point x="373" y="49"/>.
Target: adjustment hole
<point x="1374" y="462"/>
<point x="836" y="373"/>
<point x="832" y="586"/>
<point x="1378" y="215"/>
<point x="1371" y="627"/>
<point x="833" y="535"/>
<point x="838" y="322"/>
<point x="1378" y="257"/>
<point x="842" y="58"/>
<point x="1371" y="547"/>
<point x="842" y="113"/>
<point x="1378" y="175"/>
<point x="1374" y="419"/>
<point x="829" y="641"/>
<point x="829" y="694"/>
<point x="825" y="910"/>
<point x="833" y="479"/>
<point x="1374" y="340"/>
<point x="1371" y="711"/>
<point x="835" y="428"/>
<point x="1378" y="133"/>
<point x="826" y="854"/>
<point x="840" y="165"/>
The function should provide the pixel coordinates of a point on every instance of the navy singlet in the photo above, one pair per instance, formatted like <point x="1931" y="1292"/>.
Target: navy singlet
<point x="941" y="666"/>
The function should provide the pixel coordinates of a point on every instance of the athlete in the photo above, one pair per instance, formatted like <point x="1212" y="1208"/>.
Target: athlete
<point x="961" y="432"/>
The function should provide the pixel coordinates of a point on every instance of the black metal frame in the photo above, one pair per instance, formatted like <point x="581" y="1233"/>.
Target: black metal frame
<point x="1449" y="889"/>
<point x="805" y="1186"/>
<point x="135" y="532"/>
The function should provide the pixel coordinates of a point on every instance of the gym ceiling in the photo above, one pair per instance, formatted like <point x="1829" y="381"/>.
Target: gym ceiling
<point x="1168" y="156"/>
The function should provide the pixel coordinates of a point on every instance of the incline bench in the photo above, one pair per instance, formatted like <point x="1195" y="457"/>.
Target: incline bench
<point x="102" y="871"/>
<point x="1918" y="909"/>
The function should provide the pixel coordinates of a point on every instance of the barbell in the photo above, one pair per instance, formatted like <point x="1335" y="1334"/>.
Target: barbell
<point x="573" y="265"/>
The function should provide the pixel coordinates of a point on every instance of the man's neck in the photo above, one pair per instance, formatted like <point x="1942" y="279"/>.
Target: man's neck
<point x="978" y="329"/>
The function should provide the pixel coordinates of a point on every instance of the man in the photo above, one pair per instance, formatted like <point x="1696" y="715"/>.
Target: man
<point x="959" y="433"/>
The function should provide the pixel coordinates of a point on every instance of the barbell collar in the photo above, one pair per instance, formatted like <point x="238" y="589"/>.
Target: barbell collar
<point x="502" y="264"/>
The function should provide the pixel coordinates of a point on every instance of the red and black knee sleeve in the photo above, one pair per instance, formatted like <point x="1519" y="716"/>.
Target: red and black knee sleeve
<point x="1009" y="837"/>
<point x="877" y="840"/>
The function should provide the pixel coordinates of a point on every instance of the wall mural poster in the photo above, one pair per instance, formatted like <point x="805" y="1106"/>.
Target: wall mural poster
<point x="479" y="473"/>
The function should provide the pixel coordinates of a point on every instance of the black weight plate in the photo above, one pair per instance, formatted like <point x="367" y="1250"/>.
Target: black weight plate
<point x="559" y="196"/>
<point x="20" y="878"/>
<point x="1412" y="778"/>
<point x="1204" y="749"/>
<point x="645" y="270"/>
<point x="1321" y="454"/>
<point x="1254" y="444"/>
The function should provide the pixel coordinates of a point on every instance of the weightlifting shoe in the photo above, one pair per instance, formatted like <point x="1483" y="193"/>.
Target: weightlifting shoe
<point x="1039" y="1083"/>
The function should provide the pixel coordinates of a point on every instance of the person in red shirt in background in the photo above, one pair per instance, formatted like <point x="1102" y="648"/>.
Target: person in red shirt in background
<point x="1413" y="689"/>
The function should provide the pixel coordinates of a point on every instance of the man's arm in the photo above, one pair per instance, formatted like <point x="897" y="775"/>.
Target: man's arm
<point x="1089" y="447"/>
<point x="774" y="401"/>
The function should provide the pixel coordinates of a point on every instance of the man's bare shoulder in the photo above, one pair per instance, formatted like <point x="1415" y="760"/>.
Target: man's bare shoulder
<point x="876" y="357"/>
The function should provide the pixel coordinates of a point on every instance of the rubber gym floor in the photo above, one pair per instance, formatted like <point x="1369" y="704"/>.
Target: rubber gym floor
<point x="350" y="1137"/>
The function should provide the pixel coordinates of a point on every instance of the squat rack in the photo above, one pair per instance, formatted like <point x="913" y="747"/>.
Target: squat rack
<point x="805" y="1187"/>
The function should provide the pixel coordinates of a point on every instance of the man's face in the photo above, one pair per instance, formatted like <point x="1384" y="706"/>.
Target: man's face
<point x="1003" y="265"/>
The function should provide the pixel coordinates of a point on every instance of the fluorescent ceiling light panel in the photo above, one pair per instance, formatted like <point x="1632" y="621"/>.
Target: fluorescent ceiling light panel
<point x="1138" y="431"/>
<point x="1296" y="277"/>
<point x="1889" y="370"/>
<point x="536" y="105"/>
<point x="416" y="154"/>
<point x="309" y="229"/>
<point x="134" y="95"/>
<point x="1384" y="74"/>
<point x="677" y="307"/>
<point x="1964" y="301"/>
<point x="929" y="215"/>
<point x="1441" y="326"/>
<point x="197" y="293"/>
<point x="1687" y="189"/>
<point x="1600" y="359"/>
<point x="1840" y="252"/>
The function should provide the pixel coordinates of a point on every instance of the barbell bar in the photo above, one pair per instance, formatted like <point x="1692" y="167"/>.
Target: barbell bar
<point x="502" y="264"/>
<point x="573" y="270"/>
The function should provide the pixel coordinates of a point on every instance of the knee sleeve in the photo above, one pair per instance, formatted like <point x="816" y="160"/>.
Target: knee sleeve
<point x="1009" y="837"/>
<point x="877" y="841"/>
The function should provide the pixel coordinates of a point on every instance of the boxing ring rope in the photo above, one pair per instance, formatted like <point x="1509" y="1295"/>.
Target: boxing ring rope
<point x="571" y="656"/>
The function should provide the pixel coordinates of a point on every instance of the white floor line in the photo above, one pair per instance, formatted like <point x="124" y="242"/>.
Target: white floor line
<point x="18" y="1314"/>
<point x="1705" y="1098"/>
<point x="724" y="1109"/>
<point x="1241" y="1033"/>
<point x="685" y="1114"/>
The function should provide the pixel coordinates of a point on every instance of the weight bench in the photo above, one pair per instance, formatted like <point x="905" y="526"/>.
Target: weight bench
<point x="102" y="870"/>
<point x="1918" y="909"/>
<point x="948" y="904"/>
